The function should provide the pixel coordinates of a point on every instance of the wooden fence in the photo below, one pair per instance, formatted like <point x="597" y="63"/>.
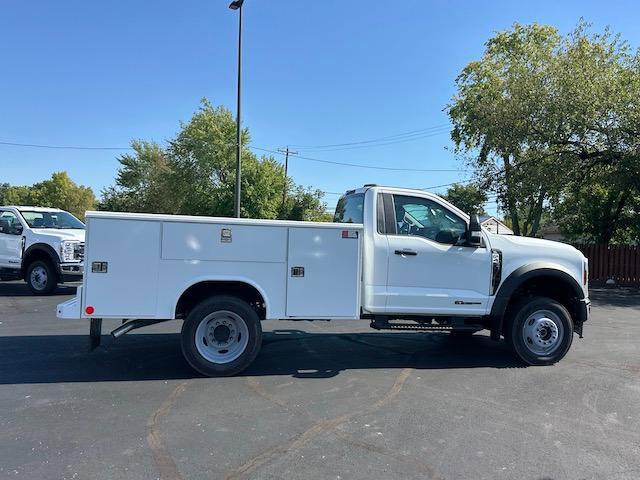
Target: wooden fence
<point x="619" y="262"/>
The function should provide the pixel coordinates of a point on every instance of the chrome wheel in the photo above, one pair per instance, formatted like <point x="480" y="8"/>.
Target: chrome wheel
<point x="542" y="332"/>
<point x="39" y="278"/>
<point x="222" y="336"/>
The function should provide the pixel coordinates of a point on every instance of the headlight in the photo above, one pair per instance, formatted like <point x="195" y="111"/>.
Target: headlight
<point x="67" y="251"/>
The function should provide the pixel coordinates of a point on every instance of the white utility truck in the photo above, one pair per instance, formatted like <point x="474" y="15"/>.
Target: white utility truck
<point x="45" y="246"/>
<point x="401" y="259"/>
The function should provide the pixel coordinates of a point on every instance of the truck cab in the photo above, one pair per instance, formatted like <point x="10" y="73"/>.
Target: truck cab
<point x="427" y="261"/>
<point x="43" y="246"/>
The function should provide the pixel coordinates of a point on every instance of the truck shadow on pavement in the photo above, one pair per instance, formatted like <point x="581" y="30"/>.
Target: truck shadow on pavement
<point x="295" y="353"/>
<point x="20" y="289"/>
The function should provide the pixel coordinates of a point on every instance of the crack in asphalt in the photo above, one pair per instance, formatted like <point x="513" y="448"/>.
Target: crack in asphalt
<point x="318" y="428"/>
<point x="161" y="457"/>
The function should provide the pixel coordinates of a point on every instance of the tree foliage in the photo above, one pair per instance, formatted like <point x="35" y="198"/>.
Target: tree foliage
<point x="58" y="192"/>
<point x="469" y="198"/>
<point x="543" y="116"/>
<point x="195" y="175"/>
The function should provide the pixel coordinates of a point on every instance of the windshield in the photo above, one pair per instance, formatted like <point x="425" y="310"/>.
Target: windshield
<point x="350" y="209"/>
<point x="51" y="219"/>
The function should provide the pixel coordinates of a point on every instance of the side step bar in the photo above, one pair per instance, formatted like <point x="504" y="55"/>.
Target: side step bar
<point x="384" y="324"/>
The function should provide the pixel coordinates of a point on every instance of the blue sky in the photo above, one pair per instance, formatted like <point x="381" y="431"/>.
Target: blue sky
<point x="315" y="72"/>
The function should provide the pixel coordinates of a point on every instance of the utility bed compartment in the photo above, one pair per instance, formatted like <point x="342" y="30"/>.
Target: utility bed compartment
<point x="138" y="265"/>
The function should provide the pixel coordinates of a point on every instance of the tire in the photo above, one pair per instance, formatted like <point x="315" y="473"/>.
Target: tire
<point x="41" y="277"/>
<point x="541" y="331"/>
<point x="221" y="336"/>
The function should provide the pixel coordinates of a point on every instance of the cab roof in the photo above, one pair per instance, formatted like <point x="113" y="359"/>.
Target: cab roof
<point x="33" y="209"/>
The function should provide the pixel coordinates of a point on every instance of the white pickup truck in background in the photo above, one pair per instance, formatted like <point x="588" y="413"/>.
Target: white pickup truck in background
<point x="401" y="259"/>
<point x="44" y="246"/>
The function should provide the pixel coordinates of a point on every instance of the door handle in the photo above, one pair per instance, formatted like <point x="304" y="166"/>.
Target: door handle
<point x="406" y="252"/>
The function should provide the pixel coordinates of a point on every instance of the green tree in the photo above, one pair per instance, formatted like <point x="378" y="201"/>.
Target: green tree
<point x="143" y="182"/>
<point x="540" y="111"/>
<point x="195" y="175"/>
<point x="600" y="210"/>
<point x="469" y="198"/>
<point x="58" y="192"/>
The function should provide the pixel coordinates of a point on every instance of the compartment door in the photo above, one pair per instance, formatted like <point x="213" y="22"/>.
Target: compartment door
<point x="323" y="274"/>
<point x="129" y="286"/>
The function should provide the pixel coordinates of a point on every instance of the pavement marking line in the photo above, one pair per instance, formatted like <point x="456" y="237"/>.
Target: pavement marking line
<point x="161" y="456"/>
<point x="318" y="428"/>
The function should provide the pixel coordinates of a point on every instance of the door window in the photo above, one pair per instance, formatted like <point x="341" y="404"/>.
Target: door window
<point x="9" y="223"/>
<point x="425" y="218"/>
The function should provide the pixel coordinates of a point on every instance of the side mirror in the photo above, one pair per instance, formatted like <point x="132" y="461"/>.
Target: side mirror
<point x="18" y="229"/>
<point x="474" y="238"/>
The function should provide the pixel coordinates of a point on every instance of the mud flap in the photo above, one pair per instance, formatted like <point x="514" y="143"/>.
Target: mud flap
<point x="577" y="328"/>
<point x="95" y="333"/>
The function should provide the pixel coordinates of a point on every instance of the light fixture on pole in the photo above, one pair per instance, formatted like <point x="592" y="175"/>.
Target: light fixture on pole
<point x="237" y="5"/>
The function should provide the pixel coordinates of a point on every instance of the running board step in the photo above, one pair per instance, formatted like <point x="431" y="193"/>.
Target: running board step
<point x="423" y="327"/>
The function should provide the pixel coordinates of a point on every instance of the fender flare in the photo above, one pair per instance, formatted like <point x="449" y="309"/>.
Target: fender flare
<point x="221" y="278"/>
<point x="41" y="247"/>
<point x="516" y="279"/>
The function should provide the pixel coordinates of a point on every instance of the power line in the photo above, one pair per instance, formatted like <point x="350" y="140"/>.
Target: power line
<point x="74" y="147"/>
<point x="358" y="165"/>
<point x="379" y="144"/>
<point x="62" y="147"/>
<point x="374" y="140"/>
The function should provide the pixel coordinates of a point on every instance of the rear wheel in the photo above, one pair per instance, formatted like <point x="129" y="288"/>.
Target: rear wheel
<point x="41" y="277"/>
<point x="541" y="331"/>
<point x="221" y="336"/>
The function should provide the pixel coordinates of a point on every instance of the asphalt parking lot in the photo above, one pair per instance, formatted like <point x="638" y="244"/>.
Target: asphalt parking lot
<point x="323" y="400"/>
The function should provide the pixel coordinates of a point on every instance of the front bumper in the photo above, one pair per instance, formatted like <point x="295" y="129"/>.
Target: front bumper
<point x="71" y="272"/>
<point x="584" y="310"/>
<point x="583" y="314"/>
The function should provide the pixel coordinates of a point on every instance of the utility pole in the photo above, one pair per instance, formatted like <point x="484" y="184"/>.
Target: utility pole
<point x="237" y="5"/>
<point x="286" y="152"/>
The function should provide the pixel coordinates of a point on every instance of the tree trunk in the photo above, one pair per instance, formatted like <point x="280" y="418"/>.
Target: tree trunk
<point x="537" y="214"/>
<point x="610" y="222"/>
<point x="511" y="203"/>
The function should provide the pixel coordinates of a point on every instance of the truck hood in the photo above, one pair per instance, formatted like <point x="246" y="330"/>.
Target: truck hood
<point x="60" y="233"/>
<point x="514" y="241"/>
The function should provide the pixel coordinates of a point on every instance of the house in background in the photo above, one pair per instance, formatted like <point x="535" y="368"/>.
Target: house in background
<point x="494" y="225"/>
<point x="552" y="232"/>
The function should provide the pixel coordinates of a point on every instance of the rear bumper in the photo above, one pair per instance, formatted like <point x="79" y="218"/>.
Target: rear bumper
<point x="72" y="308"/>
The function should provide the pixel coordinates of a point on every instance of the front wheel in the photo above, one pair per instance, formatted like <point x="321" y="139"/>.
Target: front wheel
<point x="41" y="277"/>
<point x="541" y="331"/>
<point x="221" y="336"/>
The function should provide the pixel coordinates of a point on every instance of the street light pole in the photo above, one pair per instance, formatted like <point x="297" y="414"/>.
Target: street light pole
<point x="237" y="5"/>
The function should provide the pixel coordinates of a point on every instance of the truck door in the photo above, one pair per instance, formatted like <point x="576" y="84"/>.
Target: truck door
<point x="428" y="273"/>
<point x="10" y="240"/>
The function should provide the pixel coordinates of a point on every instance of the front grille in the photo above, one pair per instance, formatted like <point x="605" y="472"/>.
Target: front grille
<point x="78" y="251"/>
